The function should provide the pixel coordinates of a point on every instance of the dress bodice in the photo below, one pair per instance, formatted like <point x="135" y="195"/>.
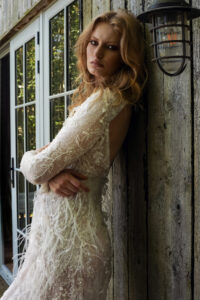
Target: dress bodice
<point x="82" y="143"/>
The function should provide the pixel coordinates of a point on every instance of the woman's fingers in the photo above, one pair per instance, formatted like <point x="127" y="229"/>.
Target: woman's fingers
<point x="68" y="183"/>
<point x="78" y="184"/>
<point x="56" y="188"/>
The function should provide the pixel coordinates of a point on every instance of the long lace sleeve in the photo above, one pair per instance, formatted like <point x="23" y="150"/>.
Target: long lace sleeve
<point x="78" y="134"/>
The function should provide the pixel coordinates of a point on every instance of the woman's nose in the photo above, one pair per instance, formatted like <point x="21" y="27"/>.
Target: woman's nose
<point x="99" y="52"/>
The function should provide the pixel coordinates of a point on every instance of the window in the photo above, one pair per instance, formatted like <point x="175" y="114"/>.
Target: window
<point x="64" y="29"/>
<point x="43" y="72"/>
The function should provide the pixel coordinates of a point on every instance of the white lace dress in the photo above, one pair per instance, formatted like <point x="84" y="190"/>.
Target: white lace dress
<point x="69" y="250"/>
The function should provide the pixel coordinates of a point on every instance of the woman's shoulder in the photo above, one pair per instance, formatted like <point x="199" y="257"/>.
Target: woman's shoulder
<point x="107" y="97"/>
<point x="98" y="102"/>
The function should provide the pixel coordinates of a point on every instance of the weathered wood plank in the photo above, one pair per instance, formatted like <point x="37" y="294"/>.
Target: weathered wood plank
<point x="117" y="4"/>
<point x="120" y="229"/>
<point x="136" y="6"/>
<point x="87" y="12"/>
<point x="12" y="11"/>
<point x="14" y="15"/>
<point x="136" y="166"/>
<point x="196" y="78"/>
<point x="169" y="186"/>
<point x="100" y="6"/>
<point x="137" y="231"/>
<point x="22" y="19"/>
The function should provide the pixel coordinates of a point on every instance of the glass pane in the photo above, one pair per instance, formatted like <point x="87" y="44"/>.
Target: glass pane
<point x="166" y="34"/>
<point x="30" y="71"/>
<point x="57" y="115"/>
<point x="73" y="33"/>
<point x="172" y="49"/>
<point x="69" y="102"/>
<point x="31" y="190"/>
<point x="57" y="54"/>
<point x="19" y="135"/>
<point x="21" y="213"/>
<point x="171" y="18"/>
<point x="19" y="76"/>
<point x="30" y="128"/>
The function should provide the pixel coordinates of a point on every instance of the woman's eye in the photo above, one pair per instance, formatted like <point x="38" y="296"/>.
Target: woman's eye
<point x="112" y="47"/>
<point x="92" y="42"/>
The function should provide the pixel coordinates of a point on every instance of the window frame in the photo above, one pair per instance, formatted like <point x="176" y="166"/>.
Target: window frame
<point x="38" y="28"/>
<point x="48" y="15"/>
<point x="18" y="41"/>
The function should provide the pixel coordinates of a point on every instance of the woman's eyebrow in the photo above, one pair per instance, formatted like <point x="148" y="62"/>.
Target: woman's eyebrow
<point x="108" y="41"/>
<point x="94" y="37"/>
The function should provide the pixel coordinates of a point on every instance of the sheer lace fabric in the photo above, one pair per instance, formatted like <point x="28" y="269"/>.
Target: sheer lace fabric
<point x="69" y="250"/>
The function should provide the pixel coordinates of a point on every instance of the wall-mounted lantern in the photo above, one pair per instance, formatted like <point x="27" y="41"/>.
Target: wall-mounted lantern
<point x="171" y="33"/>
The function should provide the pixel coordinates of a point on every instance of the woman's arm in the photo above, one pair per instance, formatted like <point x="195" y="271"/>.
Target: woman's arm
<point x="75" y="138"/>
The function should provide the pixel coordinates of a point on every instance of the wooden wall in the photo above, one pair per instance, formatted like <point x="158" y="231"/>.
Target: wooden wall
<point x="15" y="14"/>
<point x="11" y="11"/>
<point x="169" y="163"/>
<point x="155" y="182"/>
<point x="196" y="149"/>
<point x="163" y="179"/>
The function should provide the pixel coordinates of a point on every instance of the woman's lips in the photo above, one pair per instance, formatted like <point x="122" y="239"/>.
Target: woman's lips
<point x="97" y="64"/>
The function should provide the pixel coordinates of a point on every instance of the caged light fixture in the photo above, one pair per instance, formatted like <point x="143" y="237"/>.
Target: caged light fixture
<point x="171" y="28"/>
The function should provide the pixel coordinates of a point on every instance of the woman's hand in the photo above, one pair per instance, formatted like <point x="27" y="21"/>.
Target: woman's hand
<point x="67" y="183"/>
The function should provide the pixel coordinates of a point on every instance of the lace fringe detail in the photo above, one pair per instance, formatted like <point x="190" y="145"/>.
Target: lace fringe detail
<point x="64" y="241"/>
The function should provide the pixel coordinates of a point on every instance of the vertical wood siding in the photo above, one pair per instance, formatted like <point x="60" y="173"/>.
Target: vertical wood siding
<point x="99" y="6"/>
<point x="12" y="11"/>
<point x="120" y="227"/>
<point x="87" y="9"/>
<point x="169" y="185"/>
<point x="196" y="80"/>
<point x="153" y="186"/>
<point x="117" y="4"/>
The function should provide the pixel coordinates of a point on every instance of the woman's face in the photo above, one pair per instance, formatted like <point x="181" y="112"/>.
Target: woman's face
<point x="103" y="51"/>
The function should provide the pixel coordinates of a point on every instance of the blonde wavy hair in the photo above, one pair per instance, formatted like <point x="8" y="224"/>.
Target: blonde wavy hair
<point x="130" y="79"/>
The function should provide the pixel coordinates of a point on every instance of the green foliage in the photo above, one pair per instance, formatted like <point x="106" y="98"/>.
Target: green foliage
<point x="57" y="114"/>
<point x="20" y="134"/>
<point x="30" y="128"/>
<point x="74" y="31"/>
<point x="30" y="71"/>
<point x="57" y="54"/>
<point x="19" y="76"/>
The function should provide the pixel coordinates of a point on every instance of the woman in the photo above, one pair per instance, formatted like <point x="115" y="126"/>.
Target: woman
<point x="69" y="251"/>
